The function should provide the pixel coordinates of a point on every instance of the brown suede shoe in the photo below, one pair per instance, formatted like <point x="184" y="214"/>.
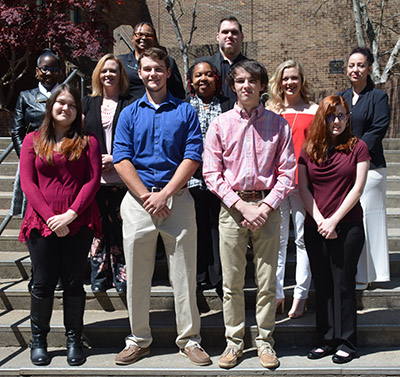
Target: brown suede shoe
<point x="131" y="354"/>
<point x="268" y="357"/>
<point x="229" y="357"/>
<point x="196" y="355"/>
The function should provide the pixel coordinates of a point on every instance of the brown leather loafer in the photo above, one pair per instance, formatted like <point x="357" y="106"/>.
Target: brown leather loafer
<point x="268" y="357"/>
<point x="196" y="355"/>
<point x="229" y="358"/>
<point x="131" y="354"/>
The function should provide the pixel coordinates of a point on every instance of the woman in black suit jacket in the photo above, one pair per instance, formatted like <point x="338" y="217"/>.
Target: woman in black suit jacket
<point x="101" y="109"/>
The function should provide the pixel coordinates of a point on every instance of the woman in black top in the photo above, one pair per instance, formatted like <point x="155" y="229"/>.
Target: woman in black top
<point x="101" y="109"/>
<point x="370" y="116"/>
<point x="29" y="114"/>
<point x="144" y="36"/>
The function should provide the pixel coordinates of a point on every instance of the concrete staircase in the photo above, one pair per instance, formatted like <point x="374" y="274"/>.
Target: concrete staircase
<point x="106" y="322"/>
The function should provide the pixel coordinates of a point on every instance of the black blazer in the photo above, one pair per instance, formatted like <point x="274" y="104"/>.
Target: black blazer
<point x="92" y="112"/>
<point x="136" y="87"/>
<point x="28" y="115"/>
<point x="370" y="118"/>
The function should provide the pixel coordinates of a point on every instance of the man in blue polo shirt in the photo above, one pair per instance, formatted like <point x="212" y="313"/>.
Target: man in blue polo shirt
<point x="157" y="148"/>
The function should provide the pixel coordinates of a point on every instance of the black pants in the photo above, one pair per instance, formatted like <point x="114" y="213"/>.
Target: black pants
<point x="53" y="257"/>
<point x="207" y="217"/>
<point x="334" y="267"/>
<point x="107" y="255"/>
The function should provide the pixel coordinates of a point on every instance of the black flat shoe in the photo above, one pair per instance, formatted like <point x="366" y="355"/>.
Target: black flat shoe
<point x="337" y="359"/>
<point x="313" y="354"/>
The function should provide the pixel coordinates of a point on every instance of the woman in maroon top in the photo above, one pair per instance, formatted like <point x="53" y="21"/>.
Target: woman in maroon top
<point x="333" y="168"/>
<point x="60" y="175"/>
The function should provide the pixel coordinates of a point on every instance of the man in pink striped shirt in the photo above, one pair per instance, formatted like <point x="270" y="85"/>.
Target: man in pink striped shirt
<point x="249" y="163"/>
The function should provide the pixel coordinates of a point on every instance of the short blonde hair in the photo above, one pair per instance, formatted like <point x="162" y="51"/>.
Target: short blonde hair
<point x="276" y="96"/>
<point x="97" y="86"/>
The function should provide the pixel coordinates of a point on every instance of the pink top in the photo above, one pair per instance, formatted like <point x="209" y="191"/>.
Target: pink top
<point x="52" y="190"/>
<point x="299" y="123"/>
<point x="245" y="152"/>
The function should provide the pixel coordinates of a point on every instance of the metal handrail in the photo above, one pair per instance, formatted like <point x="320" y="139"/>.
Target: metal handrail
<point x="126" y="41"/>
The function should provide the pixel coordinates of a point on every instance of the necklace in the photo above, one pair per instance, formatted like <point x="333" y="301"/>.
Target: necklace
<point x="295" y="118"/>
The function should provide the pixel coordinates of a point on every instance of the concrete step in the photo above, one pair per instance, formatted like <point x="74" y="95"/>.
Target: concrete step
<point x="393" y="218"/>
<point x="393" y="199"/>
<point x="376" y="327"/>
<point x="6" y="183"/>
<point x="393" y="183"/>
<point x="5" y="199"/>
<point x="393" y="168"/>
<point x="9" y="168"/>
<point x="391" y="144"/>
<point x="15" y="296"/>
<point x="392" y="156"/>
<point x="371" y="361"/>
<point x="15" y="222"/>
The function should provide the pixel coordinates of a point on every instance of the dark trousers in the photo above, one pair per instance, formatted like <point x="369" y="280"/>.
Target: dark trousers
<point x="207" y="217"/>
<point x="334" y="267"/>
<point x="53" y="257"/>
<point x="107" y="255"/>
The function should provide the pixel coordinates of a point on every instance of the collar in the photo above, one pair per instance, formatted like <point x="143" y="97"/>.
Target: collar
<point x="237" y="59"/>
<point x="242" y="113"/>
<point x="144" y="101"/>
<point x="44" y="91"/>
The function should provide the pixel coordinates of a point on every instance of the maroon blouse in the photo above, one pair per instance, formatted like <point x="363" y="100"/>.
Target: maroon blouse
<point x="53" y="189"/>
<point x="331" y="181"/>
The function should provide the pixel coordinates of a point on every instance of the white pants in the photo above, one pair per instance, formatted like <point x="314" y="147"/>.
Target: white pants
<point x="303" y="273"/>
<point x="373" y="264"/>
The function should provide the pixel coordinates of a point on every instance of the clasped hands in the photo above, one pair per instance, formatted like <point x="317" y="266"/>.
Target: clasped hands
<point x="155" y="203"/>
<point x="107" y="162"/>
<point x="327" y="228"/>
<point x="59" y="223"/>
<point x="254" y="216"/>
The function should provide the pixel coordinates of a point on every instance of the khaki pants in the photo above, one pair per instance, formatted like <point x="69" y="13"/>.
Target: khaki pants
<point x="233" y="248"/>
<point x="178" y="231"/>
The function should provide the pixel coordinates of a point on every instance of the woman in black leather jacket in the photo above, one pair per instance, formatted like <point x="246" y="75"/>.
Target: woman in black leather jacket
<point x="31" y="104"/>
<point x="29" y="114"/>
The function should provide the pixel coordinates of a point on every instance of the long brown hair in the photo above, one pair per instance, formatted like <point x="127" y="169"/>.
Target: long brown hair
<point x="75" y="139"/>
<point x="319" y="140"/>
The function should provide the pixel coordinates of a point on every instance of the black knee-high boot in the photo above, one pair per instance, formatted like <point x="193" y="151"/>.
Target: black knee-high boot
<point x="41" y="309"/>
<point x="74" y="307"/>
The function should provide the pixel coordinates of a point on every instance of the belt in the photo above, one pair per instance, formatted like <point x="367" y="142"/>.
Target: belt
<point x="252" y="196"/>
<point x="154" y="188"/>
<point x="158" y="188"/>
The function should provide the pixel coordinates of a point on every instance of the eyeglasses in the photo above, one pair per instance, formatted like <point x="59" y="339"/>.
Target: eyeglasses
<point x="331" y="117"/>
<point x="46" y="69"/>
<point x="147" y="35"/>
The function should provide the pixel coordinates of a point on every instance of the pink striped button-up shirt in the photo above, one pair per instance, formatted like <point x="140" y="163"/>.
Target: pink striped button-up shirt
<point x="249" y="153"/>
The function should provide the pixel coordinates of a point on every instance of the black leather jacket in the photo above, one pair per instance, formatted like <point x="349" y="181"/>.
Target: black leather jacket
<point x="28" y="116"/>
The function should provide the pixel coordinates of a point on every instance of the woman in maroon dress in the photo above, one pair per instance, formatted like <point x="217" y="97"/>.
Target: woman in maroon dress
<point x="60" y="175"/>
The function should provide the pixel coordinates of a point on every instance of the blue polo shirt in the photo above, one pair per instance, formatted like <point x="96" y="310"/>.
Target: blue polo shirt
<point x="156" y="141"/>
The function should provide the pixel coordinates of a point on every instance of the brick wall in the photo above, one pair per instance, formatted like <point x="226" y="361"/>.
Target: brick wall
<point x="281" y="30"/>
